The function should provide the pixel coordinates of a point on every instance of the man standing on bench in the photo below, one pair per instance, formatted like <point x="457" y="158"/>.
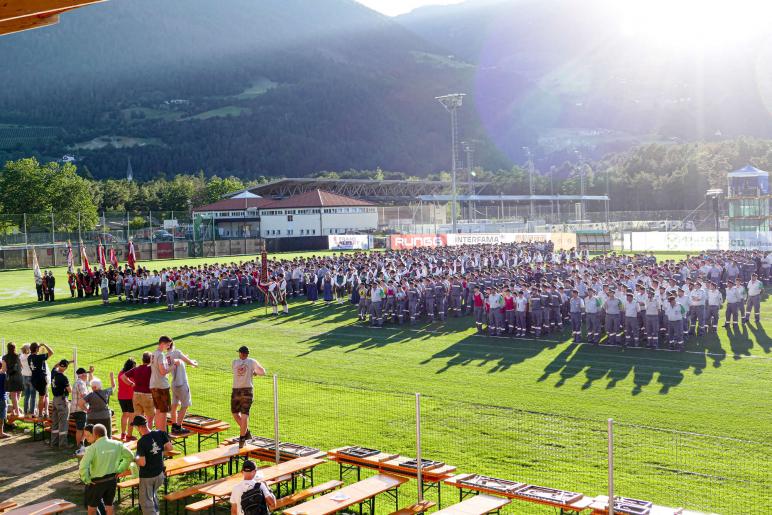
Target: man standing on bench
<point x="244" y="369"/>
<point x="251" y="496"/>
<point x="150" y="459"/>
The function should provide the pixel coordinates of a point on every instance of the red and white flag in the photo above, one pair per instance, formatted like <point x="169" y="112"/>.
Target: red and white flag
<point x="113" y="258"/>
<point x="84" y="259"/>
<point x="101" y="255"/>
<point x="36" y="266"/>
<point x="131" y="259"/>
<point x="70" y="260"/>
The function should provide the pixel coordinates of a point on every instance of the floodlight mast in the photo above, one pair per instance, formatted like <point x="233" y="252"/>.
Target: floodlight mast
<point x="452" y="103"/>
<point x="531" y="187"/>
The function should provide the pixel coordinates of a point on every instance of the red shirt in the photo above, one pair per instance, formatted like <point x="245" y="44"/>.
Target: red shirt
<point x="509" y="303"/>
<point x="478" y="300"/>
<point x="125" y="392"/>
<point x="141" y="377"/>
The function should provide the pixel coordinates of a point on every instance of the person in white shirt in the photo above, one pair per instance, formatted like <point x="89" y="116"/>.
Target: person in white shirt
<point x="674" y="312"/>
<point x="631" y="308"/>
<point x="697" y="301"/>
<point x="244" y="369"/>
<point x="250" y="482"/>
<point x="652" y="309"/>
<point x="755" y="287"/>
<point x="715" y="299"/>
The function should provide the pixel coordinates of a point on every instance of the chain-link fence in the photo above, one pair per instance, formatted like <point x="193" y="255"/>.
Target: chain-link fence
<point x="667" y="467"/>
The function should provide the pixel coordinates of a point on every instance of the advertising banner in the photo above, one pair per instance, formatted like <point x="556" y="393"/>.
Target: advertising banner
<point x="349" y="242"/>
<point x="678" y="241"/>
<point x="412" y="241"/>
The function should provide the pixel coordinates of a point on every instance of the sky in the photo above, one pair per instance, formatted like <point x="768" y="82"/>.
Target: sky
<point x="396" y="7"/>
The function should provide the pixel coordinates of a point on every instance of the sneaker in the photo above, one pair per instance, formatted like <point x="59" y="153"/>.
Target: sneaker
<point x="182" y="430"/>
<point x="248" y="435"/>
<point x="241" y="442"/>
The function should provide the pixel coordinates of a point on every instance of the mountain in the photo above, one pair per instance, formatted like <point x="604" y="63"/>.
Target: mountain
<point x="293" y="87"/>
<point x="561" y="74"/>
<point x="275" y="87"/>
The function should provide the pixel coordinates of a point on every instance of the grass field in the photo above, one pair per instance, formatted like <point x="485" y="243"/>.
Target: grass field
<point x="693" y="428"/>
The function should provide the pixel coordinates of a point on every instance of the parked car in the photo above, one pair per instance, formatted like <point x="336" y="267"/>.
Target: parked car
<point x="163" y="235"/>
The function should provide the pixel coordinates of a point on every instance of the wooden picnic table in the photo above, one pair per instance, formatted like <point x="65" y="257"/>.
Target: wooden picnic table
<point x="204" y="459"/>
<point x="208" y="432"/>
<point x="291" y="468"/>
<point x="43" y="508"/>
<point x="391" y="464"/>
<point x="357" y="493"/>
<point x="465" y="489"/>
<point x="599" y="506"/>
<point x="477" y="505"/>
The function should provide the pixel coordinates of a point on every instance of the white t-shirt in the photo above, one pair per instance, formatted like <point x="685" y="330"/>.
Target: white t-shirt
<point x="243" y="370"/>
<point x="242" y="487"/>
<point x="157" y="379"/>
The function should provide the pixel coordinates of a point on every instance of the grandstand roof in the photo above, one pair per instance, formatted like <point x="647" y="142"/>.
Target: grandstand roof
<point x="234" y="204"/>
<point x="374" y="191"/>
<point x="316" y="198"/>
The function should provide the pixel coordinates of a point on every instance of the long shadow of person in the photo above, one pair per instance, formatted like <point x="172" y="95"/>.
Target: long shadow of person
<point x="761" y="336"/>
<point x="739" y="341"/>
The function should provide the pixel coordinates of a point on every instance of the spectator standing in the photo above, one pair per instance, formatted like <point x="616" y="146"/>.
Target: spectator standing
<point x="51" y="285"/>
<point x="60" y="391"/>
<point x="26" y="377"/>
<point x="14" y="383"/>
<point x="139" y="379"/>
<point x="78" y="405"/>
<point x="39" y="288"/>
<point x="250" y="495"/>
<point x="3" y="404"/>
<point x="160" y="366"/>
<point x="181" y="399"/>
<point x="125" y="396"/>
<point x="244" y="369"/>
<point x="39" y="374"/>
<point x="99" y="404"/>
<point x="105" y="287"/>
<point x="103" y="461"/>
<point x="150" y="459"/>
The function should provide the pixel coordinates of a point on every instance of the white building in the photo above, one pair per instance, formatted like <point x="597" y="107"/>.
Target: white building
<point x="314" y="213"/>
<point x="317" y="213"/>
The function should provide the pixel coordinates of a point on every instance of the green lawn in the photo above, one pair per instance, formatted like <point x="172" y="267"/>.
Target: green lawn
<point x="692" y="428"/>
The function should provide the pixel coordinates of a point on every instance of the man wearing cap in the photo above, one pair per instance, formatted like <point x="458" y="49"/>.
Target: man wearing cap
<point x="631" y="308"/>
<point x="575" y="308"/>
<point x="104" y="461"/>
<point x="674" y="312"/>
<point x="78" y="406"/>
<point x="150" y="460"/>
<point x="715" y="300"/>
<point x="612" y="307"/>
<point x="592" y="307"/>
<point x="60" y="390"/>
<point x="244" y="369"/>
<point x="249" y="483"/>
<point x="755" y="287"/>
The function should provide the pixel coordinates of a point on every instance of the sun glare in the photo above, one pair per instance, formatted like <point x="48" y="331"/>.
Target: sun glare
<point x="694" y="24"/>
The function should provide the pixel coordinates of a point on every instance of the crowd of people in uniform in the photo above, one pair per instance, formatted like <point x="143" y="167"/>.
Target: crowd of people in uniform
<point x="518" y="290"/>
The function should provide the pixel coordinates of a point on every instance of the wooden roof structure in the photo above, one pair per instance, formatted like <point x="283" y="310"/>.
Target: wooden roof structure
<point x="20" y="15"/>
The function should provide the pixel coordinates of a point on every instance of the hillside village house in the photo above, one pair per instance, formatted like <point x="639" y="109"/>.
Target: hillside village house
<point x="314" y="213"/>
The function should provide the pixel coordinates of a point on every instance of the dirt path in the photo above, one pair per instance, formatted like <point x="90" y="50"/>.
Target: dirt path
<point x="32" y="471"/>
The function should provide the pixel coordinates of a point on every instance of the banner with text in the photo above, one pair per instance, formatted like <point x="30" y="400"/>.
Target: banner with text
<point x="349" y="242"/>
<point x="562" y="241"/>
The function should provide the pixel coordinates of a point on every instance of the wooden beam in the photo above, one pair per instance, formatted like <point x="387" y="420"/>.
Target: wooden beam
<point x="27" y="23"/>
<point x="14" y="9"/>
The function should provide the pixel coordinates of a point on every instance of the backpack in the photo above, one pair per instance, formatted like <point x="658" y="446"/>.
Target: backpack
<point x="253" y="501"/>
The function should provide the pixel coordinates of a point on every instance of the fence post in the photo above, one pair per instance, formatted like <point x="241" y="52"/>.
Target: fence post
<point x="26" y="241"/>
<point x="53" y="236"/>
<point x="611" y="466"/>
<point x="276" y="416"/>
<point x="74" y="364"/>
<point x="419" y="463"/>
<point x="150" y="231"/>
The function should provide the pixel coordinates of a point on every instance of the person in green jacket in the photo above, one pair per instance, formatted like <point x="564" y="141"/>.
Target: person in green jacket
<point x="100" y="467"/>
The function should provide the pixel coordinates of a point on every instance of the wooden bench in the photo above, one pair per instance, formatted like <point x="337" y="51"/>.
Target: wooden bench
<point x="298" y="497"/>
<point x="202" y="505"/>
<point x="7" y="505"/>
<point x="415" y="509"/>
<point x="131" y="484"/>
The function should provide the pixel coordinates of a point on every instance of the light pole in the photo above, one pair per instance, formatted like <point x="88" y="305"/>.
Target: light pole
<point x="582" y="165"/>
<point x="715" y="197"/>
<point x="531" y="189"/>
<point x="469" y="150"/>
<point x="452" y="103"/>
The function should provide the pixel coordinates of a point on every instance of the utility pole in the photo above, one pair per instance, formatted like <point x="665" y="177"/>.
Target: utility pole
<point x="469" y="150"/>
<point x="452" y="103"/>
<point x="531" y="187"/>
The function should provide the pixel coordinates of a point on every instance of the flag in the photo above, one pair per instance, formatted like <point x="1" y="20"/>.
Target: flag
<point x="36" y="266"/>
<point x="113" y="258"/>
<point x="101" y="255"/>
<point x="70" y="261"/>
<point x="84" y="259"/>
<point x="131" y="259"/>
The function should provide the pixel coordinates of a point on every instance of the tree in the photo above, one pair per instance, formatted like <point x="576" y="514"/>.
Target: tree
<point x="216" y="188"/>
<point x="26" y="186"/>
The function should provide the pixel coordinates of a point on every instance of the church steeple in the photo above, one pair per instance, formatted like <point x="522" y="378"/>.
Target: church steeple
<point x="129" y="172"/>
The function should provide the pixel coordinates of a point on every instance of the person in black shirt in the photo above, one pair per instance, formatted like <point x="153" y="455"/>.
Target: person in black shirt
<point x="60" y="389"/>
<point x="39" y="376"/>
<point x="150" y="459"/>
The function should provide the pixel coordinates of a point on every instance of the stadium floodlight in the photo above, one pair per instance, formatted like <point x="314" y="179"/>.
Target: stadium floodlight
<point x="452" y="103"/>
<point x="531" y="187"/>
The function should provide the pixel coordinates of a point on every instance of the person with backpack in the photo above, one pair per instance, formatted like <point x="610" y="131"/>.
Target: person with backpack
<point x="251" y="496"/>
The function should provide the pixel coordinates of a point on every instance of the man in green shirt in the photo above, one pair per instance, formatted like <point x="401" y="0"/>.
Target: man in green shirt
<point x="103" y="461"/>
